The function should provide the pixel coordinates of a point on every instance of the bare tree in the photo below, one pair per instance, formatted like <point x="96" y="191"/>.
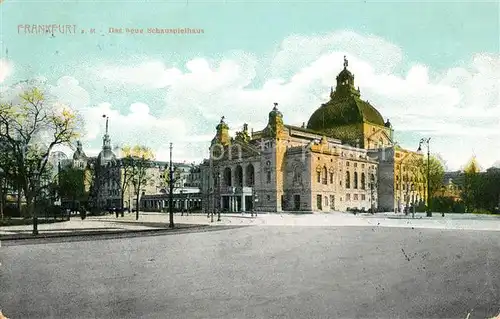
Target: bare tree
<point x="31" y="125"/>
<point x="136" y="162"/>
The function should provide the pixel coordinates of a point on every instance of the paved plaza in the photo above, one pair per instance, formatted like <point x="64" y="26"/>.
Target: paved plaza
<point x="156" y="221"/>
<point x="259" y="272"/>
<point x="336" y="271"/>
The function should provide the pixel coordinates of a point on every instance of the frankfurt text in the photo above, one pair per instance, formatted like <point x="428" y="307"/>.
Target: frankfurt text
<point x="46" y="28"/>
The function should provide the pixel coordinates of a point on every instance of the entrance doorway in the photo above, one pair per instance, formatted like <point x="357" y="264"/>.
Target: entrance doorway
<point x="319" y="202"/>
<point x="296" y="202"/>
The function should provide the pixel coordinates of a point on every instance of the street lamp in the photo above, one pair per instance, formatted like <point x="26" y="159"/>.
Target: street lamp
<point x="255" y="201"/>
<point x="372" y="189"/>
<point x="427" y="142"/>
<point x="218" y="192"/>
<point x="2" y="195"/>
<point x="35" y="219"/>
<point x="171" y="191"/>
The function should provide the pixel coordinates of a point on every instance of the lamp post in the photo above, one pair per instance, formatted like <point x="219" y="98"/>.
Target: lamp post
<point x="255" y="201"/>
<point x="171" y="191"/>
<point x="427" y="142"/>
<point x="35" y="219"/>
<point x="218" y="186"/>
<point x="2" y="195"/>
<point x="372" y="189"/>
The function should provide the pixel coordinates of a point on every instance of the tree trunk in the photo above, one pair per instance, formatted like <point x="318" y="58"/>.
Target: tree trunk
<point x="137" y="206"/>
<point x="19" y="194"/>
<point x="30" y="204"/>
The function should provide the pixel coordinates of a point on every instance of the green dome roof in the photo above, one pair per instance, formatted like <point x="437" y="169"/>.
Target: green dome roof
<point x="345" y="107"/>
<point x="351" y="110"/>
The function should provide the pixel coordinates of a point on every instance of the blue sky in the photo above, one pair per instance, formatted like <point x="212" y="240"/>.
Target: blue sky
<point x="432" y="68"/>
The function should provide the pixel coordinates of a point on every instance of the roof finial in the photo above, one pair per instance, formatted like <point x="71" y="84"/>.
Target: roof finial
<point x="346" y="63"/>
<point x="275" y="106"/>
<point x="107" y="118"/>
<point x="222" y="119"/>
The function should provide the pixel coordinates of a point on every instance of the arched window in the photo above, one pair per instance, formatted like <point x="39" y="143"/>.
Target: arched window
<point x="355" y="180"/>
<point x="250" y="175"/>
<point x="325" y="175"/>
<point x="363" y="181"/>
<point x="331" y="175"/>
<point x="347" y="180"/>
<point x="239" y="176"/>
<point x="227" y="176"/>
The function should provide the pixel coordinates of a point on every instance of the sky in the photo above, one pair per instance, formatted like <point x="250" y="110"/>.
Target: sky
<point x="431" y="68"/>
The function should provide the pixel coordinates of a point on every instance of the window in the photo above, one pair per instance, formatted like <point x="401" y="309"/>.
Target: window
<point x="319" y="202"/>
<point x="347" y="196"/>
<point x="326" y="201"/>
<point x="355" y="196"/>
<point x="355" y="164"/>
<point x="355" y="180"/>
<point x="347" y="180"/>
<point x="363" y="181"/>
<point x="318" y="175"/>
<point x="325" y="175"/>
<point x="363" y="197"/>
<point x="268" y="197"/>
<point x="347" y="164"/>
<point x="268" y="177"/>
<point x="331" y="178"/>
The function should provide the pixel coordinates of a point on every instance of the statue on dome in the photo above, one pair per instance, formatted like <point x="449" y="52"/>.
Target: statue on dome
<point x="346" y="63"/>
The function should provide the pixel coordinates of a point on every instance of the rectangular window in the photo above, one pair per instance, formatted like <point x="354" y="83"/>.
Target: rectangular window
<point x="355" y="196"/>
<point x="355" y="164"/>
<point x="347" y="196"/>
<point x="268" y="177"/>
<point x="319" y="177"/>
<point x="331" y="178"/>
<point x="363" y="197"/>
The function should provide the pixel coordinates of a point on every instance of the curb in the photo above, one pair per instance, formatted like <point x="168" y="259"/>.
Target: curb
<point x="101" y="233"/>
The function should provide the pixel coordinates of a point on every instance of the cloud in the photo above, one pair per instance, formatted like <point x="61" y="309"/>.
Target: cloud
<point x="152" y="74"/>
<point x="5" y="69"/>
<point x="458" y="107"/>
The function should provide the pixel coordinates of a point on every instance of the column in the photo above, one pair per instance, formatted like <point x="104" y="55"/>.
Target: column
<point x="243" y="208"/>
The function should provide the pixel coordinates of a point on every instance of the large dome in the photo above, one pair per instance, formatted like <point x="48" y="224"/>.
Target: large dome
<point x="345" y="109"/>
<point x="351" y="110"/>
